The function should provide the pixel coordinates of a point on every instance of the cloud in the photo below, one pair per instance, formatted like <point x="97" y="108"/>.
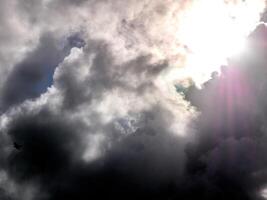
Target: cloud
<point x="229" y="150"/>
<point x="76" y="131"/>
<point x="89" y="101"/>
<point x="56" y="142"/>
<point x="34" y="74"/>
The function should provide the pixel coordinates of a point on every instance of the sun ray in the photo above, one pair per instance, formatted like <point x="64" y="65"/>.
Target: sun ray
<point x="214" y="30"/>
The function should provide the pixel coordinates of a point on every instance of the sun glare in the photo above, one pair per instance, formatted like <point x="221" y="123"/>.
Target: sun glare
<point x="213" y="30"/>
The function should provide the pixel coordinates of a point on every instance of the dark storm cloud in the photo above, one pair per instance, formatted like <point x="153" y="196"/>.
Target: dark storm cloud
<point x="47" y="146"/>
<point x="140" y="165"/>
<point x="3" y="195"/>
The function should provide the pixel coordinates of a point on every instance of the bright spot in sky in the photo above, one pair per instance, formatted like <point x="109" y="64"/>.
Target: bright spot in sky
<point x="214" y="30"/>
<point x="264" y="193"/>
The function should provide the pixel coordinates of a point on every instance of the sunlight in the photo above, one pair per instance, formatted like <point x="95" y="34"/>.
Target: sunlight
<point x="214" y="30"/>
<point x="264" y="193"/>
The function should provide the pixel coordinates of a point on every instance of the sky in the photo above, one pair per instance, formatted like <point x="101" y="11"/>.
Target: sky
<point x="136" y="99"/>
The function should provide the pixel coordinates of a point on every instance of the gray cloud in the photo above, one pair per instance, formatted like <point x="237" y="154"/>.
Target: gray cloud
<point x="85" y="85"/>
<point x="33" y="75"/>
<point x="88" y="102"/>
<point x="229" y="149"/>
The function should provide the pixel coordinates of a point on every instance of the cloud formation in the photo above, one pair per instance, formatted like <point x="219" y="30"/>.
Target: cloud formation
<point x="84" y="93"/>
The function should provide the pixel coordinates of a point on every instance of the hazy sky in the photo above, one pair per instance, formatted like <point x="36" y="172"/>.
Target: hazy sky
<point x="111" y="99"/>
